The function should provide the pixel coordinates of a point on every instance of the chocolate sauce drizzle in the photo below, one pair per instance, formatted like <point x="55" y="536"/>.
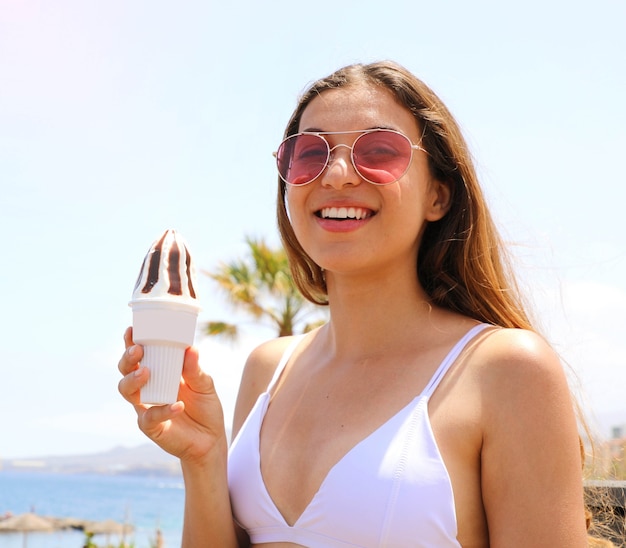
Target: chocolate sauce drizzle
<point x="173" y="269"/>
<point x="188" y="269"/>
<point x="153" y="269"/>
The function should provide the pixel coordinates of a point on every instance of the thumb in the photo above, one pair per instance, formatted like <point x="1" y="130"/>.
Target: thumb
<point x="194" y="376"/>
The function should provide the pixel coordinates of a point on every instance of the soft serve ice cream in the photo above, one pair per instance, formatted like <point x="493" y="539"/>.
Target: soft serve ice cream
<point x="167" y="271"/>
<point x="165" y="311"/>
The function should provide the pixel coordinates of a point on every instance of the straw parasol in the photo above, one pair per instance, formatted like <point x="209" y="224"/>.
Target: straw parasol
<point x="26" y="523"/>
<point x="107" y="527"/>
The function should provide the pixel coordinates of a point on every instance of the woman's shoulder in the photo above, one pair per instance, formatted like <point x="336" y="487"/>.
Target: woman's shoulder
<point x="264" y="359"/>
<point x="516" y="366"/>
<point x="257" y="375"/>
<point x="502" y="350"/>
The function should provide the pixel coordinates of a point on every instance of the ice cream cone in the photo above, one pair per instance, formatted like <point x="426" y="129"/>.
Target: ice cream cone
<point x="165" y="311"/>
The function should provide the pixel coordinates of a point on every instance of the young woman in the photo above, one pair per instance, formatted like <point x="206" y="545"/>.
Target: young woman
<point x="427" y="412"/>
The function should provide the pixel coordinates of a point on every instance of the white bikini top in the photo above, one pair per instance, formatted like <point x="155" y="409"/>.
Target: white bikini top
<point x="392" y="489"/>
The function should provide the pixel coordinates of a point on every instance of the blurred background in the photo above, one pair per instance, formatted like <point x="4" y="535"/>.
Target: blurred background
<point x="121" y="119"/>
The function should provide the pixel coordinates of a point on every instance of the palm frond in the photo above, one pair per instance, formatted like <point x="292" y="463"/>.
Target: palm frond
<point x="221" y="329"/>
<point x="261" y="286"/>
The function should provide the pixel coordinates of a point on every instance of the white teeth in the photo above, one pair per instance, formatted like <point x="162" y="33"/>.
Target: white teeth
<point x="344" y="213"/>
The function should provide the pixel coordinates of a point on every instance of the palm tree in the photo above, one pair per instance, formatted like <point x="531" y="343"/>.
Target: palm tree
<point x="261" y="286"/>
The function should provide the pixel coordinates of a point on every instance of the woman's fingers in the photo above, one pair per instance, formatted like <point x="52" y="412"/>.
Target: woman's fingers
<point x="132" y="356"/>
<point x="130" y="359"/>
<point x="130" y="385"/>
<point x="128" y="337"/>
<point x="156" y="419"/>
<point x="134" y="375"/>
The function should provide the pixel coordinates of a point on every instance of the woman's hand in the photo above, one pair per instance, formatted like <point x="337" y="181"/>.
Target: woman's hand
<point x="190" y="428"/>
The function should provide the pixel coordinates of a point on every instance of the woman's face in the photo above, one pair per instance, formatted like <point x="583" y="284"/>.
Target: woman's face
<point x="346" y="224"/>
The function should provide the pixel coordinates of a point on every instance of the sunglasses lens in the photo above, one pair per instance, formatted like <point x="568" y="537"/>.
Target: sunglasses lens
<point x="382" y="157"/>
<point x="301" y="158"/>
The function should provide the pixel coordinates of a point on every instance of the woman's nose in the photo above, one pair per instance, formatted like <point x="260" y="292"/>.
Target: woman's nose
<point x="340" y="170"/>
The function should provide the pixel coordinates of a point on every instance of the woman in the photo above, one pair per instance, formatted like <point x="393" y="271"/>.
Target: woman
<point x="426" y="412"/>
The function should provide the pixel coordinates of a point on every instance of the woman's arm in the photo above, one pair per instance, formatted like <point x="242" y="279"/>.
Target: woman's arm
<point x="530" y="460"/>
<point x="193" y="430"/>
<point x="208" y="514"/>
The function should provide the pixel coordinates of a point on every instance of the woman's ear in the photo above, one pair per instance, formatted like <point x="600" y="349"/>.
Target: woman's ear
<point x="440" y="200"/>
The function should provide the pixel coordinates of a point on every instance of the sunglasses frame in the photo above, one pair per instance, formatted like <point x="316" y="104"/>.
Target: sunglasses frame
<point x="330" y="150"/>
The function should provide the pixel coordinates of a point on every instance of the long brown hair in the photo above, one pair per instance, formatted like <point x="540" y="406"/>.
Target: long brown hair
<point x="462" y="263"/>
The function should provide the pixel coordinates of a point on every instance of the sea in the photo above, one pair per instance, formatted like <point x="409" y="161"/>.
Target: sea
<point x="147" y="503"/>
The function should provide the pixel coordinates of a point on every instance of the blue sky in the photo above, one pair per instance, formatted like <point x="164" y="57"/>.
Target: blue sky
<point x="120" y="119"/>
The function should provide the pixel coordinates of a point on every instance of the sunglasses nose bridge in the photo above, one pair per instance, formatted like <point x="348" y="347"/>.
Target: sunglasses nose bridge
<point x="332" y="155"/>
<point x="338" y="166"/>
<point x="332" y="149"/>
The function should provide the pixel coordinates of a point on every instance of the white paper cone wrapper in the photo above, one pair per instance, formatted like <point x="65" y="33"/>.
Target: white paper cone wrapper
<point x="165" y="363"/>
<point x="165" y="330"/>
<point x="158" y="322"/>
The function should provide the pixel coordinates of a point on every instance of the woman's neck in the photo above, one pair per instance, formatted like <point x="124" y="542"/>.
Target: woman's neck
<point x="373" y="315"/>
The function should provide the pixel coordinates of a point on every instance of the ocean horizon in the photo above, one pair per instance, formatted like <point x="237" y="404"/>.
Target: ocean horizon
<point x="146" y="503"/>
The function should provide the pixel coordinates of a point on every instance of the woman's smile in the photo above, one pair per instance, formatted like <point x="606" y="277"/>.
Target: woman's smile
<point x="343" y="218"/>
<point x="342" y="213"/>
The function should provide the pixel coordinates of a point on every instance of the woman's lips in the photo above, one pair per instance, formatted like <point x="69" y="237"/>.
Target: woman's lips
<point x="343" y="218"/>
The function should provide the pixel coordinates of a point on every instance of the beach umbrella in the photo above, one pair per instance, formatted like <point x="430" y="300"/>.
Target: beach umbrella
<point x="26" y="523"/>
<point x="107" y="527"/>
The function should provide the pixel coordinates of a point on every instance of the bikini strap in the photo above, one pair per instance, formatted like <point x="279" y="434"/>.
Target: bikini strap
<point x="451" y="358"/>
<point x="283" y="361"/>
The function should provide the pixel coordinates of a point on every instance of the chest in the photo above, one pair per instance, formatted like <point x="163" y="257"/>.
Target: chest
<point x="308" y="429"/>
<point x="390" y="487"/>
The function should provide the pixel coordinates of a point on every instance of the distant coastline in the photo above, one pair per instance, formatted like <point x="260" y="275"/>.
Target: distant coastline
<point x="143" y="460"/>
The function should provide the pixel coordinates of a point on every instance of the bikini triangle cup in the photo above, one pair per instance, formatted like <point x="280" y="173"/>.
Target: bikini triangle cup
<point x="252" y="502"/>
